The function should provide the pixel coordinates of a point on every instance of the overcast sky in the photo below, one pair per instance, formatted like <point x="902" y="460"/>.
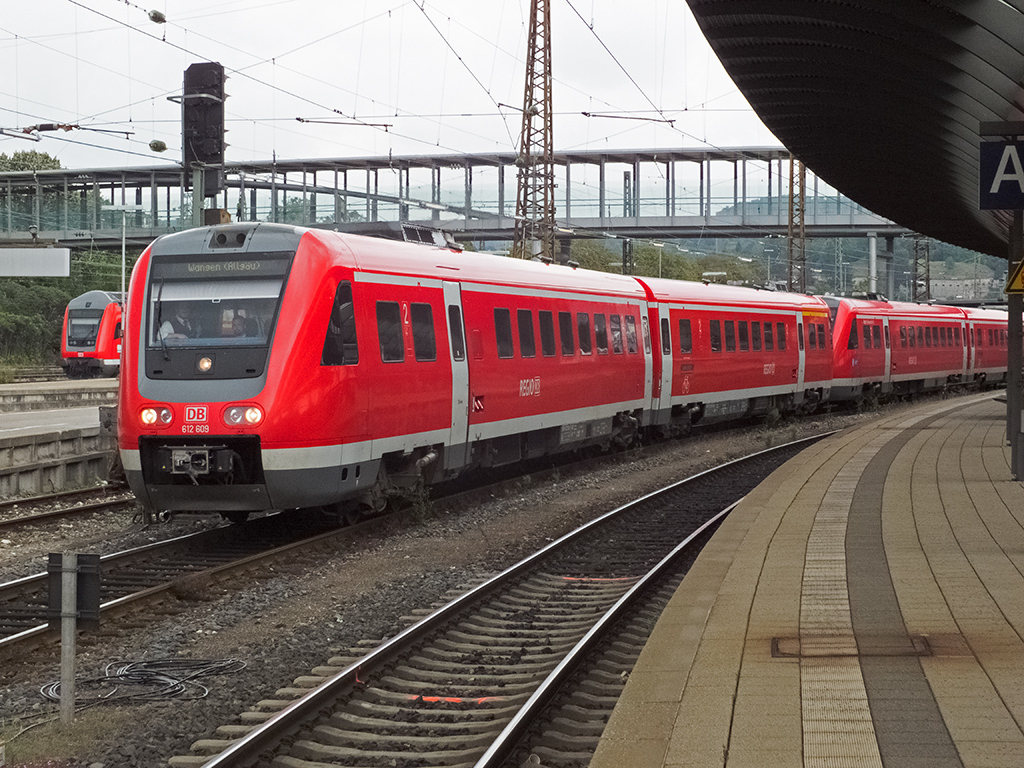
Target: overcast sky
<point x="428" y="77"/>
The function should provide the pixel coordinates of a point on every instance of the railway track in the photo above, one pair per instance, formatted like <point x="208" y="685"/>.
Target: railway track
<point x="15" y="513"/>
<point x="151" y="571"/>
<point x="467" y="684"/>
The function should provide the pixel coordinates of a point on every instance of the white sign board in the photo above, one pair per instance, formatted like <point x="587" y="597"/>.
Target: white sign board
<point x="35" y="262"/>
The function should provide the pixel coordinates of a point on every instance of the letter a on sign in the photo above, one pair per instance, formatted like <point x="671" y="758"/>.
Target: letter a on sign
<point x="1005" y="173"/>
<point x="1001" y="175"/>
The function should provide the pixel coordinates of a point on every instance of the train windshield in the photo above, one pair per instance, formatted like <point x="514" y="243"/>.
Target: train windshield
<point x="83" y="326"/>
<point x="214" y="313"/>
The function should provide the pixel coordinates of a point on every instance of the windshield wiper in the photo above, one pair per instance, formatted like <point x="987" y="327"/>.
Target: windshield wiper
<point x="160" y="321"/>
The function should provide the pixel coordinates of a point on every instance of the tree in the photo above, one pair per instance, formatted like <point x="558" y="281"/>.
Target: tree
<point x="29" y="161"/>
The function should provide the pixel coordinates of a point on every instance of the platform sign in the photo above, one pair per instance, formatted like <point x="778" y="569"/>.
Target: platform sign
<point x="35" y="262"/>
<point x="1015" y="283"/>
<point x="1001" y="167"/>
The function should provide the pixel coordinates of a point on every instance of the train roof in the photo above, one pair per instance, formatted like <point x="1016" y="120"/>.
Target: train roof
<point x="881" y="307"/>
<point x="716" y="293"/>
<point x="94" y="300"/>
<point x="400" y="258"/>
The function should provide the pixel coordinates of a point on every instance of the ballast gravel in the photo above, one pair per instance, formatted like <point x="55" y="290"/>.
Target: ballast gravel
<point x="291" y="619"/>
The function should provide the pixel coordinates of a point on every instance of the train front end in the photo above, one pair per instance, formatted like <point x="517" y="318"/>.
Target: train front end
<point x="204" y="310"/>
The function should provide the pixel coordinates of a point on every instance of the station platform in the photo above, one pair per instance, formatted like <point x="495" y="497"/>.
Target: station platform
<point x="862" y="607"/>
<point x="47" y="395"/>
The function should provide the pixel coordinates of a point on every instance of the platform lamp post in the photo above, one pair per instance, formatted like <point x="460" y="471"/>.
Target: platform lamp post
<point x="1001" y="176"/>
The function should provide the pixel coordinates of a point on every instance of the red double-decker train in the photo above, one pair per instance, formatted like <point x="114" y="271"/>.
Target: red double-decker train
<point x="91" y="338"/>
<point x="270" y="366"/>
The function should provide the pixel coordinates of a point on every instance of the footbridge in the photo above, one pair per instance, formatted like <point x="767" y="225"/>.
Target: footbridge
<point x="647" y="194"/>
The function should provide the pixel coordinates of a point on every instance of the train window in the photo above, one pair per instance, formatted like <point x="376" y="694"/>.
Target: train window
<point x="666" y="342"/>
<point x="455" y="324"/>
<point x="601" y="334"/>
<point x="812" y="338"/>
<point x="340" y="347"/>
<point x="527" y="342"/>
<point x="1002" y="337"/>
<point x="990" y="337"/>
<point x="583" y="331"/>
<point x="744" y="336"/>
<point x="927" y="336"/>
<point x="547" y="333"/>
<point x="565" y="333"/>
<point x="118" y="331"/>
<point x="920" y="336"/>
<point x="956" y="336"/>
<point x="821" y="337"/>
<point x="685" y="337"/>
<point x="972" y="336"/>
<point x="755" y="336"/>
<point x="769" y="343"/>
<point x="781" y="328"/>
<point x="852" y="342"/>
<point x="942" y="336"/>
<point x="503" y="331"/>
<point x="903" y="336"/>
<point x="716" y="336"/>
<point x="389" y="332"/>
<point x="876" y="336"/>
<point x="424" y="343"/>
<point x="867" y="336"/>
<point x="800" y="334"/>
<point x="730" y="335"/>
<point x="631" y="346"/>
<point x="616" y="325"/>
<point x="645" y="331"/>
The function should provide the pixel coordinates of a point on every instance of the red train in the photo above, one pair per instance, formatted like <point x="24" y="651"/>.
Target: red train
<point x="91" y="339"/>
<point x="276" y="367"/>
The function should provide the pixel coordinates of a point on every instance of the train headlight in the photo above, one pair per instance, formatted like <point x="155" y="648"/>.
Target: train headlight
<point x="243" y="416"/>
<point x="205" y="364"/>
<point x="158" y="417"/>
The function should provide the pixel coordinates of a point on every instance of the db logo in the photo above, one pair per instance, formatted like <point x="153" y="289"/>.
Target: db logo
<point x="195" y="413"/>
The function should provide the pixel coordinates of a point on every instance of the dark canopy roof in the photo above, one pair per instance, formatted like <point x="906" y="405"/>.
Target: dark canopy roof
<point x="883" y="98"/>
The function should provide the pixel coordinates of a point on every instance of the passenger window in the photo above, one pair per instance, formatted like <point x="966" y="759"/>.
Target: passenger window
<point x="666" y="342"/>
<point x="631" y="346"/>
<point x="800" y="335"/>
<point x="903" y="336"/>
<point x="744" y="336"/>
<point x="503" y="331"/>
<point x="821" y="336"/>
<point x="781" y="328"/>
<point x="645" y="331"/>
<point x="956" y="336"/>
<point x="601" y="334"/>
<point x="458" y="340"/>
<point x="424" y="343"/>
<point x="876" y="336"/>
<point x="755" y="336"/>
<point x="730" y="336"/>
<point x="340" y="347"/>
<point x="583" y="331"/>
<point x="547" y="333"/>
<point x="565" y="332"/>
<point x="616" y="324"/>
<point x="527" y="343"/>
<point x="927" y="336"/>
<point x="853" y="342"/>
<point x="769" y="344"/>
<point x="867" y="337"/>
<point x="716" y="336"/>
<point x="990" y="337"/>
<point x="812" y="339"/>
<point x="685" y="337"/>
<point x="389" y="332"/>
<point x="920" y="336"/>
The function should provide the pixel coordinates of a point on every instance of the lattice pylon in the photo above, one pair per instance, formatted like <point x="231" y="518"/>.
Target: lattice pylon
<point x="796" y="277"/>
<point x="922" y="278"/>
<point x="535" y="198"/>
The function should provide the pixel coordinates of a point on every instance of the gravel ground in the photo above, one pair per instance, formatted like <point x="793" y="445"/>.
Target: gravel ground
<point x="295" y="618"/>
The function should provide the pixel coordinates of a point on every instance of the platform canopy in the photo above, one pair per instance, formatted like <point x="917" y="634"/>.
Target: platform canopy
<point x="883" y="98"/>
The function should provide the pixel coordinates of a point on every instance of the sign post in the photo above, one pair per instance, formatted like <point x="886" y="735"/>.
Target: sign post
<point x="1002" y="188"/>
<point x="74" y="600"/>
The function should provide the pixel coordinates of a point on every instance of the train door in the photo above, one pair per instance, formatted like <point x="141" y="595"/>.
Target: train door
<point x="887" y="371"/>
<point x="457" y="453"/>
<point x="965" y="363"/>
<point x="661" y="401"/>
<point x="802" y="359"/>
